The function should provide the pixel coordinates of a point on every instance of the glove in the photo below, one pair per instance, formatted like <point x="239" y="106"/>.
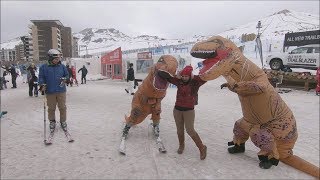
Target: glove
<point x="43" y="89"/>
<point x="63" y="81"/>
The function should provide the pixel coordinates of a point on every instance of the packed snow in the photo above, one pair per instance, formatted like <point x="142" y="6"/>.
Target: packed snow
<point x="95" y="116"/>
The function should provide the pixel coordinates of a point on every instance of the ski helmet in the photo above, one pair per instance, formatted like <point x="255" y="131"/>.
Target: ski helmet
<point x="53" y="53"/>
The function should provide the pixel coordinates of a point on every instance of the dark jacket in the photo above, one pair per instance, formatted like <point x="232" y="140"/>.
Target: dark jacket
<point x="130" y="74"/>
<point x="187" y="93"/>
<point x="83" y="70"/>
<point x="12" y="71"/>
<point x="51" y="76"/>
<point x="31" y="74"/>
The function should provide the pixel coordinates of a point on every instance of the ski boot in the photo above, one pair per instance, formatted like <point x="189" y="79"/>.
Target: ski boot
<point x="236" y="148"/>
<point x="266" y="163"/>
<point x="126" y="131"/>
<point x="64" y="126"/>
<point x="52" y="125"/>
<point x="156" y="130"/>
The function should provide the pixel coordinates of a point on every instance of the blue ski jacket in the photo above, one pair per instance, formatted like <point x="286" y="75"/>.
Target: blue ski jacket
<point x="52" y="75"/>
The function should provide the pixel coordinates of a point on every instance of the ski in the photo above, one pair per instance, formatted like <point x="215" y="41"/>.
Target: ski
<point x="122" y="147"/>
<point x="50" y="139"/>
<point x="68" y="136"/>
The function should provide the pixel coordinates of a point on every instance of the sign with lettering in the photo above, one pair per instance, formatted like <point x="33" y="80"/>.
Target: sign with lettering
<point x="145" y="56"/>
<point x="112" y="57"/>
<point x="301" y="59"/>
<point x="302" y="38"/>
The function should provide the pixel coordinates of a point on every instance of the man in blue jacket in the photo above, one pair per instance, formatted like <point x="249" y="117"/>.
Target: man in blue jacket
<point x="52" y="79"/>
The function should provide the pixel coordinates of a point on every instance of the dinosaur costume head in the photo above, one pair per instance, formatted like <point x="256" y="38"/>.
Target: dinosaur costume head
<point x="167" y="64"/>
<point x="220" y="55"/>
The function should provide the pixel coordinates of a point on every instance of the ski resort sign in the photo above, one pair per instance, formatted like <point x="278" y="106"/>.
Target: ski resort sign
<point x="302" y="38"/>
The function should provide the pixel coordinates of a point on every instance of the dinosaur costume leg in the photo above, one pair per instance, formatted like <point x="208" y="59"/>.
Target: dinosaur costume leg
<point x="241" y="135"/>
<point x="138" y="113"/>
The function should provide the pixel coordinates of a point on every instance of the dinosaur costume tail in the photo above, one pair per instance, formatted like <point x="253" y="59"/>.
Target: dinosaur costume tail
<point x="302" y="165"/>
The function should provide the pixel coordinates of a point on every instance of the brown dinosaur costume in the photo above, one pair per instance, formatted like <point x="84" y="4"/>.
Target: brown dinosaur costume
<point x="147" y="99"/>
<point x="267" y="120"/>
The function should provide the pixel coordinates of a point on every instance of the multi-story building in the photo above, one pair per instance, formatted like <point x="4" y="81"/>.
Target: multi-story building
<point x="75" y="51"/>
<point x="66" y="41"/>
<point x="27" y="46"/>
<point x="8" y="54"/>
<point x="48" y="34"/>
<point x="20" y="53"/>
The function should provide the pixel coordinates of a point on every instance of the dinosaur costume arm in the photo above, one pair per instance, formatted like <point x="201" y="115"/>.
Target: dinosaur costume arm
<point x="244" y="88"/>
<point x="247" y="88"/>
<point x="171" y="79"/>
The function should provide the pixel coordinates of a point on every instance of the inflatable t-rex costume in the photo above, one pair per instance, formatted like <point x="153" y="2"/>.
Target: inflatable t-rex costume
<point x="147" y="99"/>
<point x="267" y="120"/>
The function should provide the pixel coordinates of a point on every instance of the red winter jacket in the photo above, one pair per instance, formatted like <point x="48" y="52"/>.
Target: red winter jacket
<point x="187" y="93"/>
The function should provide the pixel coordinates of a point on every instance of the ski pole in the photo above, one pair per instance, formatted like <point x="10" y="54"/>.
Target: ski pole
<point x="44" y="115"/>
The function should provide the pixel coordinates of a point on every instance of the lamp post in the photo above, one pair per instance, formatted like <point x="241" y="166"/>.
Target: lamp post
<point x="86" y="49"/>
<point x="259" y="27"/>
<point x="259" y="44"/>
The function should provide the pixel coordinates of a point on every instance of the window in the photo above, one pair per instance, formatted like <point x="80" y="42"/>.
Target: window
<point x="316" y="50"/>
<point x="299" y="50"/>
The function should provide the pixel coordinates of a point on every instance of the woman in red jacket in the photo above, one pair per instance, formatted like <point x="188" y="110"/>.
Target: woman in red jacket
<point x="183" y="112"/>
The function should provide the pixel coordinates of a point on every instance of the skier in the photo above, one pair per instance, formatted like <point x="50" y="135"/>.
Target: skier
<point x="183" y="112"/>
<point x="84" y="73"/>
<point x="52" y="79"/>
<point x="130" y="79"/>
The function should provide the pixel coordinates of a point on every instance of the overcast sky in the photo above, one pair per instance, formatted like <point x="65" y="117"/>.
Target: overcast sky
<point x="168" y="19"/>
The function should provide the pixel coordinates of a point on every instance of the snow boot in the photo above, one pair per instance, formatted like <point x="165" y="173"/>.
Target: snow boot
<point x="126" y="131"/>
<point x="236" y="148"/>
<point x="181" y="143"/>
<point x="156" y="130"/>
<point x="202" y="148"/>
<point x="52" y="125"/>
<point x="64" y="126"/>
<point x="266" y="163"/>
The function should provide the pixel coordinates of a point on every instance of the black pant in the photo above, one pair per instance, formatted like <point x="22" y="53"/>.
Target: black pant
<point x="83" y="77"/>
<point x="31" y="87"/>
<point x="14" y="83"/>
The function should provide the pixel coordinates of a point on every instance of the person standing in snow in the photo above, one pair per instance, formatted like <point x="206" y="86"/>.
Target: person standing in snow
<point x="52" y="79"/>
<point x="14" y="75"/>
<point x="84" y="73"/>
<point x="32" y="80"/>
<point x="184" y="114"/>
<point x="130" y="79"/>
<point x="69" y="80"/>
